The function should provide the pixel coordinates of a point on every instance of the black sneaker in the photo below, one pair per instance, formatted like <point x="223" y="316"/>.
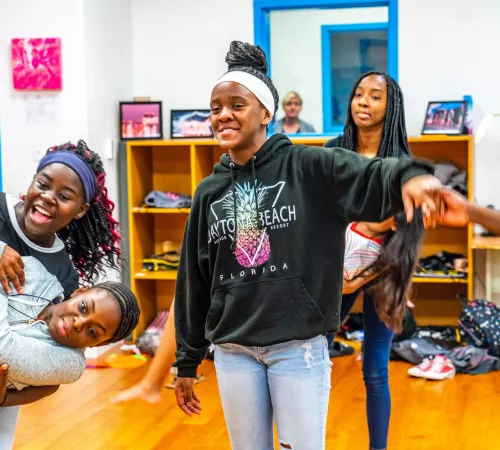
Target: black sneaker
<point x="339" y="349"/>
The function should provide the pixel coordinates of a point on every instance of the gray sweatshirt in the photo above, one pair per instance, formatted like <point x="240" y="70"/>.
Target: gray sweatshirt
<point x="33" y="357"/>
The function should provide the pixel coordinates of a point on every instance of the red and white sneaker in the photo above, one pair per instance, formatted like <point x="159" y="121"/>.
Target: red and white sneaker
<point x="441" y="369"/>
<point x="421" y="369"/>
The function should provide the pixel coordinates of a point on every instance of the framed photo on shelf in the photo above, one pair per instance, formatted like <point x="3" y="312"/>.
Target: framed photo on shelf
<point x="190" y="123"/>
<point x="445" y="117"/>
<point x="141" y="120"/>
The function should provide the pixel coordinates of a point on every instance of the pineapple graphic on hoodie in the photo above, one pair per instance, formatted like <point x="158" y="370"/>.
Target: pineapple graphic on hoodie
<point x="251" y="244"/>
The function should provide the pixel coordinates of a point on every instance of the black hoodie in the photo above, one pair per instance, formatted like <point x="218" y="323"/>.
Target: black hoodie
<point x="280" y="279"/>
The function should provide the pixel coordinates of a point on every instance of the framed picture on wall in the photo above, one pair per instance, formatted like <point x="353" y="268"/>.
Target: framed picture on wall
<point x="190" y="123"/>
<point x="445" y="117"/>
<point x="141" y="120"/>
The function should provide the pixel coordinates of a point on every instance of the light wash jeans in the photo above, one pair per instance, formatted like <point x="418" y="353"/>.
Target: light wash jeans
<point x="8" y="421"/>
<point x="290" y="381"/>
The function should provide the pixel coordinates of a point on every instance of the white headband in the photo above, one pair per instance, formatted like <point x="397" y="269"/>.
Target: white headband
<point x="256" y="86"/>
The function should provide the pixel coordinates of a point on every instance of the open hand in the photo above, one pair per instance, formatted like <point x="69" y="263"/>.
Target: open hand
<point x="455" y="209"/>
<point x="186" y="398"/>
<point x="11" y="269"/>
<point x="423" y="192"/>
<point x="140" y="391"/>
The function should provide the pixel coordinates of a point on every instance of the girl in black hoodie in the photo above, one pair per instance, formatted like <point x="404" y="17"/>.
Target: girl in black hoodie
<point x="260" y="274"/>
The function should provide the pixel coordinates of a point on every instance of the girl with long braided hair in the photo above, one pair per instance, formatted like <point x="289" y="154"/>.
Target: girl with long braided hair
<point x="375" y="127"/>
<point x="375" y="124"/>
<point x="65" y="222"/>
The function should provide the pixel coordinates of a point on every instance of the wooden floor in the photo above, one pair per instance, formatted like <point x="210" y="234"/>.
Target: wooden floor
<point x="462" y="413"/>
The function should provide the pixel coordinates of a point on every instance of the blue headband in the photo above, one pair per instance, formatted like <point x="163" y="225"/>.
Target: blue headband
<point x="78" y="165"/>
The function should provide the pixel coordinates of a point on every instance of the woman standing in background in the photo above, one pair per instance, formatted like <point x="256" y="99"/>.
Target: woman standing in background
<point x="291" y="124"/>
<point x="375" y="127"/>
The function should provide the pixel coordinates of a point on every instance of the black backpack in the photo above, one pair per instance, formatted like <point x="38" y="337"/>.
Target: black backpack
<point x="479" y="324"/>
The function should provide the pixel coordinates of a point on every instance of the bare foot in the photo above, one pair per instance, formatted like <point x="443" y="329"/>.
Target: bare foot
<point x="138" y="392"/>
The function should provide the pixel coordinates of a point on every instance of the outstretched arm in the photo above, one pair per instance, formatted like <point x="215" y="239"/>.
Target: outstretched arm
<point x="28" y="395"/>
<point x="458" y="211"/>
<point x="372" y="190"/>
<point x="16" y="398"/>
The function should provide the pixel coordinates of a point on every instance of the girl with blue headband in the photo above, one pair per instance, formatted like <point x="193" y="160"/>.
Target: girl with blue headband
<point x="65" y="222"/>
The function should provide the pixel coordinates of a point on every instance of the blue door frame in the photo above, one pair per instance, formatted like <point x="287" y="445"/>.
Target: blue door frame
<point x="326" y="51"/>
<point x="262" y="32"/>
<point x="262" y="8"/>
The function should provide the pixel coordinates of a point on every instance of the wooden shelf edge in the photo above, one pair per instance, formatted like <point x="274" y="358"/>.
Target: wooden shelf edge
<point x="163" y="275"/>
<point x="440" y="280"/>
<point x="320" y="138"/>
<point x="143" y="210"/>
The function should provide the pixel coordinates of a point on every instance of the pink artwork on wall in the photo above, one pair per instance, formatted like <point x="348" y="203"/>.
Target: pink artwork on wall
<point x="36" y="64"/>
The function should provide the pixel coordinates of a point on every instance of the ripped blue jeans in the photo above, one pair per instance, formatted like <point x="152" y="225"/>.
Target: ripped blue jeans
<point x="289" y="382"/>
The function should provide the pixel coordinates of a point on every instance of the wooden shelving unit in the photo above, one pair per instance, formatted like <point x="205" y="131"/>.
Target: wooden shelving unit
<point x="180" y="165"/>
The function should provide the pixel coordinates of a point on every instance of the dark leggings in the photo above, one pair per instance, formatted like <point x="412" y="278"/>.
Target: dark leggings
<point x="376" y="349"/>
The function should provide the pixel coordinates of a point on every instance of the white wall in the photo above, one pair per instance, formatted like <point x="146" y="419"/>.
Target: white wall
<point x="296" y="52"/>
<point x="179" y="48"/>
<point x="22" y="141"/>
<point x="108" y="61"/>
<point x="108" y="75"/>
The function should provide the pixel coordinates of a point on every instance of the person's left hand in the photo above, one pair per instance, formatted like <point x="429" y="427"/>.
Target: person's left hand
<point x="423" y="192"/>
<point x="4" y="371"/>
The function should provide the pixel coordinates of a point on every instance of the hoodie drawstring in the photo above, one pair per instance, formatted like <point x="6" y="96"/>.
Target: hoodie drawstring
<point x="233" y="187"/>
<point x="259" y="225"/>
<point x="235" y="211"/>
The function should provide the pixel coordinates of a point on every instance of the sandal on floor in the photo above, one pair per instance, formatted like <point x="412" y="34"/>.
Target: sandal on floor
<point x="339" y="349"/>
<point x="199" y="379"/>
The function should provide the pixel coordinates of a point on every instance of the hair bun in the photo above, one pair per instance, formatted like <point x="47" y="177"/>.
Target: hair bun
<point x="242" y="54"/>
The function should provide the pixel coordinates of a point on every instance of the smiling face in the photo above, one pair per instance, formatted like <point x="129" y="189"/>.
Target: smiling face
<point x="54" y="199"/>
<point x="90" y="318"/>
<point x="369" y="103"/>
<point x="238" y="119"/>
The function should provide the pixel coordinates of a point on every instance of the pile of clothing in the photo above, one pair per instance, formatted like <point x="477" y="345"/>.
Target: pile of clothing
<point x="168" y="259"/>
<point x="443" y="265"/>
<point x="160" y="199"/>
<point x="439" y="352"/>
<point x="451" y="176"/>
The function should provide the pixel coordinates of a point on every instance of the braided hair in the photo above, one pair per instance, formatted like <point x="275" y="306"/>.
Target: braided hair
<point x="394" y="141"/>
<point x="92" y="242"/>
<point x="251" y="59"/>
<point x="128" y="307"/>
